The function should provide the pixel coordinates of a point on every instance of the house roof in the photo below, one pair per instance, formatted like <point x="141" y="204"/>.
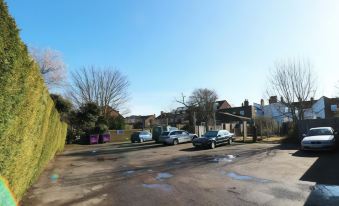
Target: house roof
<point x="165" y="115"/>
<point x="223" y="104"/>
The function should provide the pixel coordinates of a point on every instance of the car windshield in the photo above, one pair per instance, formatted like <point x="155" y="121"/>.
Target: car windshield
<point x="211" y="134"/>
<point x="165" y="133"/>
<point x="315" y="132"/>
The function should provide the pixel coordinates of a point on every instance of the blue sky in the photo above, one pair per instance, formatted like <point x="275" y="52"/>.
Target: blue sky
<point x="174" y="46"/>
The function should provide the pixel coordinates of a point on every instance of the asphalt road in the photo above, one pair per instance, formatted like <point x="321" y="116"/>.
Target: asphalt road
<point x="152" y="174"/>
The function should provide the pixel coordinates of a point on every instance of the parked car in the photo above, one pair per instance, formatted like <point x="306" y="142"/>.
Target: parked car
<point x="158" y="130"/>
<point x="141" y="136"/>
<point x="176" y="137"/>
<point x="213" y="138"/>
<point x="319" y="138"/>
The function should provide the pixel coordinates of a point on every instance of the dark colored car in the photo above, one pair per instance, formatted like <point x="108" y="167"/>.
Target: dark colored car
<point x="141" y="136"/>
<point x="213" y="138"/>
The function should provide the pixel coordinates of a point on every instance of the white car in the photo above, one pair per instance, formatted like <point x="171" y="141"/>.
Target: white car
<point x="319" y="138"/>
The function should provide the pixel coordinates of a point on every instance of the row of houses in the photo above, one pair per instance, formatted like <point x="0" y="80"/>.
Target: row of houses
<point x="321" y="108"/>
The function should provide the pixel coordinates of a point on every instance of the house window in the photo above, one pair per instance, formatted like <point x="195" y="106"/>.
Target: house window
<point x="286" y="109"/>
<point x="334" y="108"/>
<point x="242" y="113"/>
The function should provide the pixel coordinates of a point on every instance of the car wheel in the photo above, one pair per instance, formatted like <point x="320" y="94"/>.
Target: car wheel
<point x="212" y="146"/>
<point x="141" y="140"/>
<point x="230" y="141"/>
<point x="175" y="142"/>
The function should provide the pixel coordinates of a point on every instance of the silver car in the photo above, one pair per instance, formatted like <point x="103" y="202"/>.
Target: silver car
<point x="141" y="136"/>
<point x="176" y="137"/>
<point x="319" y="138"/>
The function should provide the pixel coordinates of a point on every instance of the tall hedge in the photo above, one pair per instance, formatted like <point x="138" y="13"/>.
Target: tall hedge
<point x="30" y="128"/>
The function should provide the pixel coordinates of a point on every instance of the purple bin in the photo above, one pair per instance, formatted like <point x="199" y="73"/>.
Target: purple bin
<point x="104" y="138"/>
<point x="94" y="139"/>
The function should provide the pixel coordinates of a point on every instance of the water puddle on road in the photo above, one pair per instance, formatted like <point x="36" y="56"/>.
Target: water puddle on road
<point x="163" y="175"/>
<point x="236" y="176"/>
<point x="224" y="159"/>
<point x="163" y="187"/>
<point x="129" y="172"/>
<point x="328" y="191"/>
<point x="326" y="194"/>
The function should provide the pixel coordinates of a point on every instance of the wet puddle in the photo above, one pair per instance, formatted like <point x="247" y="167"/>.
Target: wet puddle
<point x="236" y="176"/>
<point x="163" y="187"/>
<point x="163" y="175"/>
<point x="324" y="194"/>
<point x="129" y="172"/>
<point x="327" y="191"/>
<point x="224" y="159"/>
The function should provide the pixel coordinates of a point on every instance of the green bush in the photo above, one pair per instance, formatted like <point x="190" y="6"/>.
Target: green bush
<point x="30" y="128"/>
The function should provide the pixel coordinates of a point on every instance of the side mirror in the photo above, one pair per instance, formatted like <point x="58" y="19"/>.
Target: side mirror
<point x="335" y="132"/>
<point x="304" y="135"/>
<point x="219" y="135"/>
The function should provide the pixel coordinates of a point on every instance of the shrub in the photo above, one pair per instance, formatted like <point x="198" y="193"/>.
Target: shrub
<point x="30" y="128"/>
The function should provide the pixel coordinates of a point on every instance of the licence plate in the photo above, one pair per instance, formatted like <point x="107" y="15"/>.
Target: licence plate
<point x="198" y="144"/>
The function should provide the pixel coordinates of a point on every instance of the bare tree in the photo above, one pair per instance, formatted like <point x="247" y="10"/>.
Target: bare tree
<point x="294" y="81"/>
<point x="52" y="66"/>
<point x="201" y="103"/>
<point x="107" y="87"/>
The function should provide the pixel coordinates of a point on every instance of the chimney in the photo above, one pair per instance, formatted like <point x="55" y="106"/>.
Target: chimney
<point x="281" y="99"/>
<point x="273" y="99"/>
<point x="246" y="103"/>
<point x="262" y="102"/>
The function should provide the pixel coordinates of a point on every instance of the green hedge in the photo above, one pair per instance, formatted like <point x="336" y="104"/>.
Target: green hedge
<point x="30" y="128"/>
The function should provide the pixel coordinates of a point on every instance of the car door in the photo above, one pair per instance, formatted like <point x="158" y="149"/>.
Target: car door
<point x="223" y="137"/>
<point x="142" y="135"/>
<point x="150" y="136"/>
<point x="219" y="138"/>
<point x="180" y="136"/>
<point x="227" y="136"/>
<point x="147" y="136"/>
<point x="186" y="136"/>
<point x="174" y="135"/>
